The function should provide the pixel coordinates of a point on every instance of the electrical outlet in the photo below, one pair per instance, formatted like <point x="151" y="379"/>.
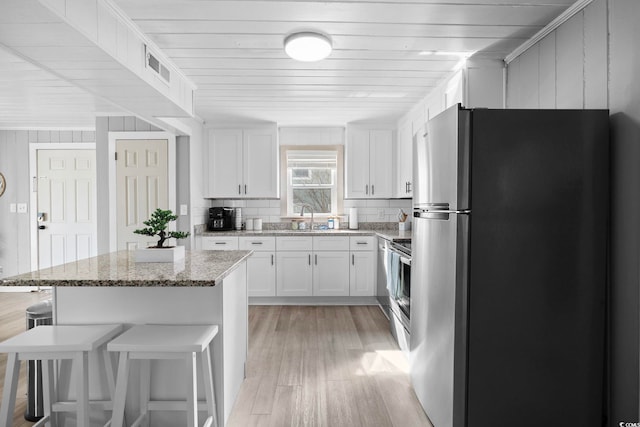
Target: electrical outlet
<point x="381" y="214"/>
<point x="12" y="207"/>
<point x="183" y="210"/>
<point x="22" y="208"/>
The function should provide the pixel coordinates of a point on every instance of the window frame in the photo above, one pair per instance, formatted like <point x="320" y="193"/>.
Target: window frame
<point x="286" y="191"/>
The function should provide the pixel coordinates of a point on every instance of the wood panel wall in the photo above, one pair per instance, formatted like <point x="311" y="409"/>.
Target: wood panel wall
<point x="566" y="69"/>
<point x="15" y="228"/>
<point x="591" y="61"/>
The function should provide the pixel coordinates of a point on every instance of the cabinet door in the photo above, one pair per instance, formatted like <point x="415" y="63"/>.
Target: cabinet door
<point x="220" y="243"/>
<point x="224" y="163"/>
<point x="404" y="162"/>
<point x="260" y="163"/>
<point x="261" y="274"/>
<point x="381" y="164"/>
<point x="294" y="274"/>
<point x="331" y="274"/>
<point x="362" y="280"/>
<point x="357" y="164"/>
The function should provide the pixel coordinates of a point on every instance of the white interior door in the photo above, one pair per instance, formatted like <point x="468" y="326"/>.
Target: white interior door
<point x="141" y="187"/>
<point x="66" y="206"/>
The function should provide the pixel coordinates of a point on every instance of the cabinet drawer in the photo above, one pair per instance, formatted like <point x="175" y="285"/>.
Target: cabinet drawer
<point x="330" y="243"/>
<point x="258" y="243"/>
<point x="222" y="243"/>
<point x="294" y="243"/>
<point x="363" y="243"/>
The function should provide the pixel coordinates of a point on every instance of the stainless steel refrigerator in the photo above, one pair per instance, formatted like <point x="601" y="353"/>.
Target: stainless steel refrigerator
<point x="510" y="250"/>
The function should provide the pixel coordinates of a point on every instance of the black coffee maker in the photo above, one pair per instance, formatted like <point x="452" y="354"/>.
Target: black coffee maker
<point x="221" y="219"/>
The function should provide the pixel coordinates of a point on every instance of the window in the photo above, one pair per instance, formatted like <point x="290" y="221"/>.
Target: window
<point x="312" y="179"/>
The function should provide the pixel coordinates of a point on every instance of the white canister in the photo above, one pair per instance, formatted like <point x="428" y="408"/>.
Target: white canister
<point x="248" y="224"/>
<point x="336" y="223"/>
<point x="238" y="218"/>
<point x="257" y="224"/>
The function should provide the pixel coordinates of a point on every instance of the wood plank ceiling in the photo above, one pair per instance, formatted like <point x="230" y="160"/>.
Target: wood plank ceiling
<point x="233" y="51"/>
<point x="383" y="61"/>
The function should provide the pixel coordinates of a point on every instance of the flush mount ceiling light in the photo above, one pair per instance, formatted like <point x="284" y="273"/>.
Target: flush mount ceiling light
<point x="307" y="46"/>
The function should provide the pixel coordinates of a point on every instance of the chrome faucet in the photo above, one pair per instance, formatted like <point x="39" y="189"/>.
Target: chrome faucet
<point x="310" y="210"/>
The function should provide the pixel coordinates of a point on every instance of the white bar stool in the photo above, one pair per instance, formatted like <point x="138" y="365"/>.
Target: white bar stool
<point x="57" y="342"/>
<point x="157" y="342"/>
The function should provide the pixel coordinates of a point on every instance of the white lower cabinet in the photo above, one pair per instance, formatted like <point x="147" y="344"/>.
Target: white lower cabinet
<point x="302" y="266"/>
<point x="294" y="274"/>
<point x="331" y="274"/>
<point x="261" y="265"/>
<point x="363" y="269"/>
<point x="261" y="274"/>
<point x="362" y="274"/>
<point x="220" y="243"/>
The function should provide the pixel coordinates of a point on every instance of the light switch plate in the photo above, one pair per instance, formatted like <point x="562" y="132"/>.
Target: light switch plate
<point x="22" y="208"/>
<point x="183" y="210"/>
<point x="12" y="208"/>
<point x="381" y="214"/>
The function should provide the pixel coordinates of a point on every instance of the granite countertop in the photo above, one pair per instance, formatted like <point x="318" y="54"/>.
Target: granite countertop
<point x="199" y="268"/>
<point x="392" y="235"/>
<point x="395" y="235"/>
<point x="290" y="233"/>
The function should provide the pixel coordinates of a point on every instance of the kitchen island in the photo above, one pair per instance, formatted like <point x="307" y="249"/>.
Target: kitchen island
<point x="207" y="287"/>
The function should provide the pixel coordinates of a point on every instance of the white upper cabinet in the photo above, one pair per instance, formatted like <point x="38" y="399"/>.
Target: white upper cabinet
<point x="225" y="163"/>
<point x="404" y="160"/>
<point x="242" y="163"/>
<point x="260" y="163"/>
<point x="369" y="163"/>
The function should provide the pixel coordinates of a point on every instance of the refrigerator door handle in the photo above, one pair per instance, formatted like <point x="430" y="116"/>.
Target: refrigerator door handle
<point x="438" y="214"/>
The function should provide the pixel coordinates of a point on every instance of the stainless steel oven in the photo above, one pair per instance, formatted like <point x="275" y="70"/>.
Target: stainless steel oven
<point x="400" y="301"/>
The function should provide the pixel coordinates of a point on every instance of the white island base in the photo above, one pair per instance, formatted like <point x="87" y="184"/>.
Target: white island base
<point x="224" y="304"/>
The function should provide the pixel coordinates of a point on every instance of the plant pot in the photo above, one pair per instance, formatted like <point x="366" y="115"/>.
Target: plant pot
<point x="171" y="254"/>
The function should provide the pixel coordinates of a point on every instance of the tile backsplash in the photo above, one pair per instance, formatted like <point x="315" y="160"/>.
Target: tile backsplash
<point x="371" y="210"/>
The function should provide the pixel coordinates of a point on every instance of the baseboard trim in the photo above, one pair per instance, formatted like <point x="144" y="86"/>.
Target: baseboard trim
<point x="313" y="301"/>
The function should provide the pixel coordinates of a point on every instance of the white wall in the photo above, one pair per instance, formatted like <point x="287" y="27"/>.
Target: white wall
<point x="592" y="61"/>
<point x="15" y="228"/>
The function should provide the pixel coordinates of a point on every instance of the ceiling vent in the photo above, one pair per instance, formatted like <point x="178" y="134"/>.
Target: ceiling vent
<point x="154" y="64"/>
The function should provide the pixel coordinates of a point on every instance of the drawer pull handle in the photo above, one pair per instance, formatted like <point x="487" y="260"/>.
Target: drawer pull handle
<point x="309" y="259"/>
<point x="316" y="259"/>
<point x="272" y="259"/>
<point x="353" y="259"/>
<point x="361" y="243"/>
<point x="221" y="243"/>
<point x="256" y="243"/>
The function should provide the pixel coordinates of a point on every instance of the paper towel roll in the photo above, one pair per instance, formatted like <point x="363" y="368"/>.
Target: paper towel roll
<point x="353" y="218"/>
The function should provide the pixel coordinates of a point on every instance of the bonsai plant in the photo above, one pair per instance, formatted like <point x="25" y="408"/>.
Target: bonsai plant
<point x="157" y="226"/>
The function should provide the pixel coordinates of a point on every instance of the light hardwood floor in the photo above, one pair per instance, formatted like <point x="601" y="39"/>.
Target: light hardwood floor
<point x="308" y="366"/>
<point x="324" y="366"/>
